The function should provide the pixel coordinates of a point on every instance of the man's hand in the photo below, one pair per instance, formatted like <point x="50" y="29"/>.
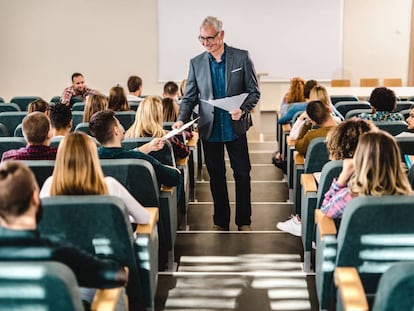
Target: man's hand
<point x="236" y="114"/>
<point x="154" y="145"/>
<point x="177" y="125"/>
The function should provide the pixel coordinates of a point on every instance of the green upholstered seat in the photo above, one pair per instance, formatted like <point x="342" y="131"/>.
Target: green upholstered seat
<point x="313" y="200"/>
<point x="23" y="101"/>
<point x="315" y="159"/>
<point x="38" y="286"/>
<point x="78" y="106"/>
<point x="374" y="233"/>
<point x="346" y="106"/>
<point x="339" y="98"/>
<point x="42" y="169"/>
<point x="126" y="118"/>
<point x="139" y="178"/>
<point x="99" y="224"/>
<point x="8" y="143"/>
<point x="9" y="107"/>
<point x="83" y="127"/>
<point x="392" y="127"/>
<point x="11" y="119"/>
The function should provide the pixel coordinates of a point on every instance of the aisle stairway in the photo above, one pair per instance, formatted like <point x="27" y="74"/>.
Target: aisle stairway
<point x="258" y="270"/>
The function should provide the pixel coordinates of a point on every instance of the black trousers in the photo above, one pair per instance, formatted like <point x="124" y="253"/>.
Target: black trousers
<point x="238" y="152"/>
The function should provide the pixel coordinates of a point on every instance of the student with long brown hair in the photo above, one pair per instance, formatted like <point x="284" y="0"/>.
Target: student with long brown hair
<point x="375" y="169"/>
<point x="94" y="103"/>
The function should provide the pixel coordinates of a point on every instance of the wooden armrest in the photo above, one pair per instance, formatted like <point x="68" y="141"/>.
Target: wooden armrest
<point x="149" y="227"/>
<point x="286" y="127"/>
<point x="308" y="183"/>
<point x="326" y="225"/>
<point x="182" y="161"/>
<point x="350" y="288"/>
<point x="192" y="142"/>
<point x="298" y="158"/>
<point x="290" y="142"/>
<point x="106" y="299"/>
<point x="167" y="188"/>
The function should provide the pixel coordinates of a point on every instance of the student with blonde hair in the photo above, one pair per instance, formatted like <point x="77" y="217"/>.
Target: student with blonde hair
<point x="78" y="172"/>
<point x="94" y="103"/>
<point x="375" y="169"/>
<point x="148" y="123"/>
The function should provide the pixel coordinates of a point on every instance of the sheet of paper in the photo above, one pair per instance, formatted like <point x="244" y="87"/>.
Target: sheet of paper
<point x="178" y="131"/>
<point x="228" y="103"/>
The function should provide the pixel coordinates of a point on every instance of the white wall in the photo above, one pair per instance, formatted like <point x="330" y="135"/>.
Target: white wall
<point x="44" y="41"/>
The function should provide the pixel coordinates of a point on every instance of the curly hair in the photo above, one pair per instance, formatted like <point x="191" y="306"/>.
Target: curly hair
<point x="296" y="91"/>
<point x="343" y="139"/>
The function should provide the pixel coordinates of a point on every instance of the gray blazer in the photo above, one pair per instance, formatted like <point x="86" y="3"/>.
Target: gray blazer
<point x="240" y="78"/>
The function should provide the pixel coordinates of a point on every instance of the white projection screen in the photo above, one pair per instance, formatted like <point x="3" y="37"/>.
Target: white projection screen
<point x="285" y="38"/>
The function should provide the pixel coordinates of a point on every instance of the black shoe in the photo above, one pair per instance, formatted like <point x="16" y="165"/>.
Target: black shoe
<point x="219" y="228"/>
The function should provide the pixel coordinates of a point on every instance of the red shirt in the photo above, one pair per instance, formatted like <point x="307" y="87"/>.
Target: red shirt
<point x="31" y="152"/>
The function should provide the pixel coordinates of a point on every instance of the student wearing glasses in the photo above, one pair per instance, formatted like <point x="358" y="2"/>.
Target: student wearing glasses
<point x="222" y="71"/>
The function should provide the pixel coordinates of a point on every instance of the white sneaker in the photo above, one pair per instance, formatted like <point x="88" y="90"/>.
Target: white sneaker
<point x="292" y="226"/>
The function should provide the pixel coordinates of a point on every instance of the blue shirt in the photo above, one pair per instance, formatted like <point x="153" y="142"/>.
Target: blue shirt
<point x="222" y="125"/>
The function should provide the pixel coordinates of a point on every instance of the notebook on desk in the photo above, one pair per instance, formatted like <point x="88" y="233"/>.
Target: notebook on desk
<point x="317" y="176"/>
<point x="407" y="160"/>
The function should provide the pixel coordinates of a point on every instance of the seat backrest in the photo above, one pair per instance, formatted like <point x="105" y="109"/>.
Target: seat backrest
<point x="406" y="145"/>
<point x="126" y="118"/>
<point x="42" y="169"/>
<point x="1" y="100"/>
<point x="134" y="105"/>
<point x="346" y="106"/>
<point x="339" y="98"/>
<point x="9" y="107"/>
<point x="405" y="113"/>
<point x="55" y="99"/>
<point x="390" y="82"/>
<point x="392" y="127"/>
<point x="374" y="233"/>
<point x="403" y="105"/>
<point x="77" y="117"/>
<point x="138" y="176"/>
<point x="396" y="288"/>
<point x="83" y="127"/>
<point x="356" y="112"/>
<point x="330" y="170"/>
<point x="38" y="286"/>
<point x="78" y="106"/>
<point x="4" y="132"/>
<point x="165" y="155"/>
<point x="8" y="143"/>
<point x="18" y="132"/>
<point x="23" y="101"/>
<point x="11" y="119"/>
<point x="341" y="82"/>
<point x="316" y="155"/>
<point x="102" y="227"/>
<point x="374" y="82"/>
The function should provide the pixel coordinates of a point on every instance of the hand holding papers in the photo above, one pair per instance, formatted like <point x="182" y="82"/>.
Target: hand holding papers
<point x="228" y="103"/>
<point x="178" y="131"/>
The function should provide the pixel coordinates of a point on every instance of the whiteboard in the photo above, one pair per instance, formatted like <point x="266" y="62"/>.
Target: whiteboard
<point x="285" y="38"/>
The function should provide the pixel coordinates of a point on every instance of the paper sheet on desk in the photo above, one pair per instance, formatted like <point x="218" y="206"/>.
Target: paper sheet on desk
<point x="178" y="131"/>
<point x="228" y="103"/>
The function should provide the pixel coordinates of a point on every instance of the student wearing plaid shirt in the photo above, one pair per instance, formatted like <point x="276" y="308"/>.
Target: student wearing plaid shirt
<point x="37" y="132"/>
<point x="77" y="89"/>
<point x="375" y="170"/>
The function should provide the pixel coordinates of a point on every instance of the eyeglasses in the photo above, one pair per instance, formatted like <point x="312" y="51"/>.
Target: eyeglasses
<point x="208" y="39"/>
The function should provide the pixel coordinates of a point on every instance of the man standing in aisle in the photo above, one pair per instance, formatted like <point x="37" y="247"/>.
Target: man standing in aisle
<point x="222" y="71"/>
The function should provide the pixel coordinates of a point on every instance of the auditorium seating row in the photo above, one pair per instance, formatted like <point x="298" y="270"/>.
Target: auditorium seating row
<point x="372" y="235"/>
<point x="84" y="221"/>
